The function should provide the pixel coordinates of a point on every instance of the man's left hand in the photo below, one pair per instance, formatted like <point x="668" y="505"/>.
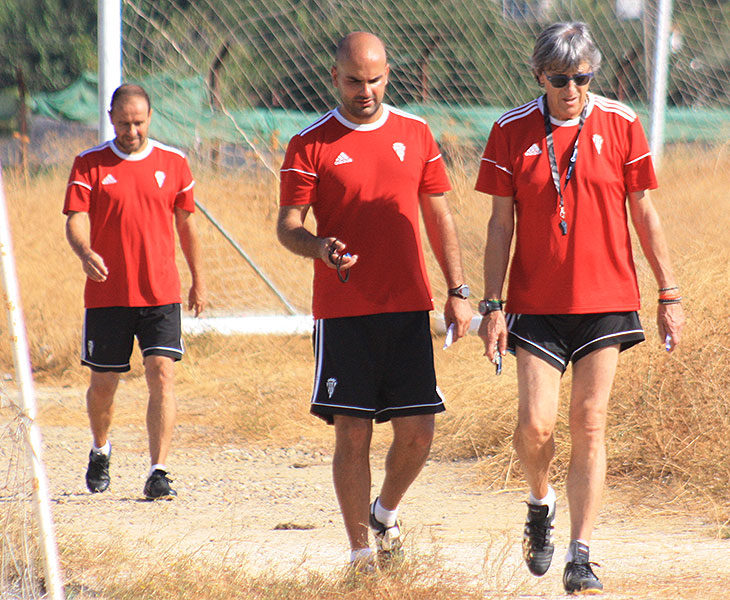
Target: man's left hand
<point x="197" y="298"/>
<point x="459" y="312"/>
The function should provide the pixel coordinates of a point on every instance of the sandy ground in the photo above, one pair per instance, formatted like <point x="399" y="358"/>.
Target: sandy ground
<point x="263" y="509"/>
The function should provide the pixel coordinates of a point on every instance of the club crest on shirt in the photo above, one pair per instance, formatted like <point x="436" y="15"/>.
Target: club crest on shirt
<point x="160" y="177"/>
<point x="331" y="384"/>
<point x="400" y="150"/>
<point x="108" y="179"/>
<point x="90" y="347"/>
<point x="342" y="158"/>
<point x="533" y="150"/>
<point x="597" y="142"/>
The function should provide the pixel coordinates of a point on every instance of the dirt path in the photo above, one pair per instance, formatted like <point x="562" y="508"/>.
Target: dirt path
<point x="275" y="509"/>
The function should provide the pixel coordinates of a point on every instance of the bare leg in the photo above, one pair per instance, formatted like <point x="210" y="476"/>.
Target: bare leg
<point x="161" y="408"/>
<point x="100" y="404"/>
<point x="592" y="380"/>
<point x="351" y="475"/>
<point x="538" y="384"/>
<point x="412" y="437"/>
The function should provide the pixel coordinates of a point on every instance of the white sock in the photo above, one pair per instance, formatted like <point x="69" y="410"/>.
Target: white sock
<point x="158" y="466"/>
<point x="569" y="554"/>
<point x="548" y="500"/>
<point x="360" y="554"/>
<point x="385" y="516"/>
<point x="105" y="449"/>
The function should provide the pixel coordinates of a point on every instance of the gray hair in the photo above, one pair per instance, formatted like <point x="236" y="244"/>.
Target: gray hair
<point x="563" y="47"/>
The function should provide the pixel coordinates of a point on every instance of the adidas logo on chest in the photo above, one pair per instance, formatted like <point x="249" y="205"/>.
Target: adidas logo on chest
<point x="342" y="159"/>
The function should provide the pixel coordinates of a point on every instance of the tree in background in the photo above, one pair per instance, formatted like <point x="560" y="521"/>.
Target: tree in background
<point x="51" y="41"/>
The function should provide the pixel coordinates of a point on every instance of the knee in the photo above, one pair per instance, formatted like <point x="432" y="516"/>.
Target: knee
<point x="588" y="425"/>
<point x="418" y="437"/>
<point x="533" y="432"/>
<point x="160" y="372"/>
<point x="352" y="435"/>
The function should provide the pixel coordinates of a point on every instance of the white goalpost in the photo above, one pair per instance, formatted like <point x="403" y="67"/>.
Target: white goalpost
<point x="26" y="409"/>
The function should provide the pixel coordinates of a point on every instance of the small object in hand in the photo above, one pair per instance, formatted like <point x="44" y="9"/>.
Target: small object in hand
<point x="449" y="339"/>
<point x="497" y="363"/>
<point x="338" y="262"/>
<point x="668" y="343"/>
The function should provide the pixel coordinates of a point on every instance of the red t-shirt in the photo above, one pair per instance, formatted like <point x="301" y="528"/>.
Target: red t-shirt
<point x="363" y="183"/>
<point x="131" y="199"/>
<point x="591" y="269"/>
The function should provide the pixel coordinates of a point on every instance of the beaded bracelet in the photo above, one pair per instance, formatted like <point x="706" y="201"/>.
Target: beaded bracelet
<point x="674" y="300"/>
<point x="668" y="289"/>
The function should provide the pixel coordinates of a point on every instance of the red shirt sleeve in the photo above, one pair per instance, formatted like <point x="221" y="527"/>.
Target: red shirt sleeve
<point x="185" y="198"/>
<point x="495" y="169"/>
<point x="78" y="190"/>
<point x="298" y="184"/>
<point x="639" y="172"/>
<point x="434" y="179"/>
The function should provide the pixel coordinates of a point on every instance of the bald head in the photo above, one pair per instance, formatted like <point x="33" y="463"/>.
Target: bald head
<point x="358" y="46"/>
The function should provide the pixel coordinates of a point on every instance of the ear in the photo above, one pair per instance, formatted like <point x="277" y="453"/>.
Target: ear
<point x="387" y="72"/>
<point x="333" y="72"/>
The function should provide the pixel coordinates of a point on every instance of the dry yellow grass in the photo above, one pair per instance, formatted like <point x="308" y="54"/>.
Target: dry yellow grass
<point x="669" y="416"/>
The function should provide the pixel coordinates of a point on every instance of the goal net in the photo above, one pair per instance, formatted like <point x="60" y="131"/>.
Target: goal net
<point x="233" y="80"/>
<point x="28" y="556"/>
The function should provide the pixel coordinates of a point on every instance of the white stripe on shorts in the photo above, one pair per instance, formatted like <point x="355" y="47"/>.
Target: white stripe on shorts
<point x="605" y="337"/>
<point x="318" y="350"/>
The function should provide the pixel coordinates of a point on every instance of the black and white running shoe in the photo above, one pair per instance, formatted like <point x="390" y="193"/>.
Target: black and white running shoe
<point x="387" y="540"/>
<point x="578" y="576"/>
<point x="537" y="540"/>
<point x="97" y="473"/>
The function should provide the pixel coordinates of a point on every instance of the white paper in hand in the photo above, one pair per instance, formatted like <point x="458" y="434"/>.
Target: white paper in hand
<point x="449" y="339"/>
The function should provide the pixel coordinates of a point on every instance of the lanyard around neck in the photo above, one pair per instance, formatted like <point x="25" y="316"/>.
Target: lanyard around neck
<point x="554" y="162"/>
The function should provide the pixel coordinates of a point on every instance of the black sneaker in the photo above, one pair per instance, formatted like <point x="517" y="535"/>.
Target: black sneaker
<point x="578" y="576"/>
<point x="387" y="540"/>
<point x="158" y="486"/>
<point x="97" y="473"/>
<point x="537" y="539"/>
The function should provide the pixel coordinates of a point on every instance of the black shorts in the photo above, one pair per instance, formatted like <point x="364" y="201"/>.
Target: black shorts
<point x="109" y="332"/>
<point x="560" y="339"/>
<point x="374" y="367"/>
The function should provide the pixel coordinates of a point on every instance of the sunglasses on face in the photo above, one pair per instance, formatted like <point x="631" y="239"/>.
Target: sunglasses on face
<point x="580" y="79"/>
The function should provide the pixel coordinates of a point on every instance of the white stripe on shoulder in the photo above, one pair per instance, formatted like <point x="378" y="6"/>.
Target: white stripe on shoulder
<point x="498" y="166"/>
<point x="167" y="148"/>
<point x="638" y="158"/>
<point x="518" y="113"/>
<point x="81" y="183"/>
<point x="434" y="158"/>
<point x="321" y="121"/>
<point x="185" y="189"/>
<point x="407" y="115"/>
<point x="614" y="106"/>
<point x="298" y="171"/>
<point x="97" y="148"/>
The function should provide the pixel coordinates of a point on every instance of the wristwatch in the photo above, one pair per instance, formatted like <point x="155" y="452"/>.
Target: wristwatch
<point x="491" y="305"/>
<point x="461" y="291"/>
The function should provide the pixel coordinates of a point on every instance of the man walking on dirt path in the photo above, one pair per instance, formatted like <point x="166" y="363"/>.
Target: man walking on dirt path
<point x="121" y="201"/>
<point x="364" y="169"/>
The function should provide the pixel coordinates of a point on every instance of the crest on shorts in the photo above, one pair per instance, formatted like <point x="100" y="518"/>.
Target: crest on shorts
<point x="400" y="150"/>
<point x="90" y="347"/>
<point x="331" y="384"/>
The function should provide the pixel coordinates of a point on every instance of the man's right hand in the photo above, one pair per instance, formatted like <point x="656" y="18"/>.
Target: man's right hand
<point x="332" y="252"/>
<point x="94" y="266"/>
<point x="493" y="331"/>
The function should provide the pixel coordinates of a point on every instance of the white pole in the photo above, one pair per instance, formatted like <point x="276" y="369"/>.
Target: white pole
<point x="109" y="23"/>
<point x="24" y="377"/>
<point x="659" y="79"/>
